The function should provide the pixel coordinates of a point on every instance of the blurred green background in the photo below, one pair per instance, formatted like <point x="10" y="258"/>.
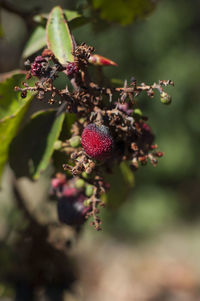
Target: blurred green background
<point x="165" y="199"/>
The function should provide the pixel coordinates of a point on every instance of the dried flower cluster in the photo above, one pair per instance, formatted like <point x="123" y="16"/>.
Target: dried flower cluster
<point x="109" y="129"/>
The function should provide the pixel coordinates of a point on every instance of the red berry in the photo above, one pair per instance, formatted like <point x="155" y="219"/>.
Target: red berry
<point x="97" y="141"/>
<point x="72" y="68"/>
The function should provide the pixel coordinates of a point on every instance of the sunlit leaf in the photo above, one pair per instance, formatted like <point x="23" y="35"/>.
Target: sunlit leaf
<point x="38" y="38"/>
<point x="59" y="38"/>
<point x="12" y="110"/>
<point x="32" y="149"/>
<point x="74" y="19"/>
<point x="36" y="42"/>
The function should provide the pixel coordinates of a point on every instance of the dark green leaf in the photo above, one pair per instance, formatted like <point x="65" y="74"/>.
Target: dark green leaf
<point x="127" y="174"/>
<point x="12" y="110"/>
<point x="35" y="43"/>
<point x="123" y="12"/>
<point x="67" y="124"/>
<point x="1" y="31"/>
<point x="121" y="182"/>
<point x="59" y="158"/>
<point x="32" y="149"/>
<point x="59" y="38"/>
<point x="78" y="22"/>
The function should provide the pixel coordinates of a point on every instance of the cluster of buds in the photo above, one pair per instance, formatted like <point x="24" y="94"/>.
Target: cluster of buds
<point x="40" y="67"/>
<point x="75" y="199"/>
<point x="71" y="199"/>
<point x="109" y="129"/>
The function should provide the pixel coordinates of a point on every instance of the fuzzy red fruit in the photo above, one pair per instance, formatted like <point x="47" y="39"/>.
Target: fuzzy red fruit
<point x="97" y="141"/>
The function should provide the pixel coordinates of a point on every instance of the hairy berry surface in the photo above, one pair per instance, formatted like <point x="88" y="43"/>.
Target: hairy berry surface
<point x="97" y="141"/>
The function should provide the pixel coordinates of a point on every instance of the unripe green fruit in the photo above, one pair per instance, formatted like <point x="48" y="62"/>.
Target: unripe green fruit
<point x="80" y="183"/>
<point x="75" y="141"/>
<point x="85" y="175"/>
<point x="87" y="202"/>
<point x="58" y="145"/>
<point x="138" y="112"/>
<point x="89" y="190"/>
<point x="165" y="98"/>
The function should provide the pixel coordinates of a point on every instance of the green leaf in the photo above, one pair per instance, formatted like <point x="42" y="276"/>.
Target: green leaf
<point x="59" y="38"/>
<point x="117" y="82"/>
<point x="60" y="158"/>
<point x="121" y="183"/>
<point x="78" y="22"/>
<point x="38" y="37"/>
<point x="127" y="174"/>
<point x="6" y="75"/>
<point x="12" y="110"/>
<point x="69" y="14"/>
<point x="35" y="43"/>
<point x="70" y="118"/>
<point x="1" y="31"/>
<point x="32" y="149"/>
<point x="123" y="12"/>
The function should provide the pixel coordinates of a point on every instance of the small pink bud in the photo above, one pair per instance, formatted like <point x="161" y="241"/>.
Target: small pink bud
<point x="69" y="191"/>
<point x="59" y="181"/>
<point x="98" y="60"/>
